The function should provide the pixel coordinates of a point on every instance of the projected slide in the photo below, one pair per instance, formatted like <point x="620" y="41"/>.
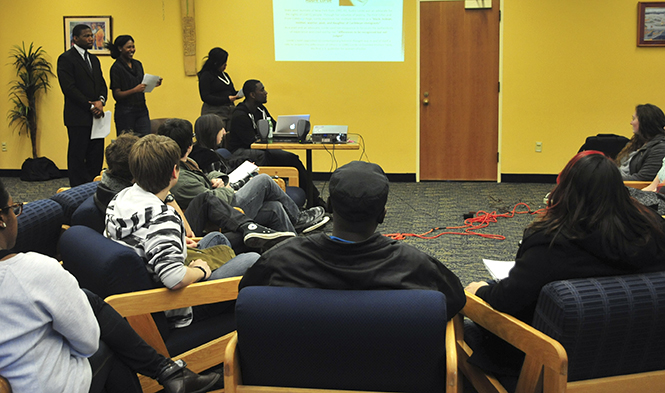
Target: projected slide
<point x="338" y="30"/>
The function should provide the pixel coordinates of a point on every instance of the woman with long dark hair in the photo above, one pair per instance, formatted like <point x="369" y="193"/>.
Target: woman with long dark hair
<point x="210" y="131"/>
<point x="643" y="155"/>
<point x="216" y="87"/>
<point x="591" y="228"/>
<point x="57" y="337"/>
<point x="131" y="112"/>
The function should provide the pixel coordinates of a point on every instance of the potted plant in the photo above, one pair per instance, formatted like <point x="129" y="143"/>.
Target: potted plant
<point x="32" y="70"/>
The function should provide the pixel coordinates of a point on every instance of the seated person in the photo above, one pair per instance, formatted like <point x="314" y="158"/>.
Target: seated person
<point x="210" y="132"/>
<point x="355" y="256"/>
<point x="203" y="210"/>
<point x="138" y="217"/>
<point x="643" y="155"/>
<point x="244" y="131"/>
<point x="591" y="228"/>
<point x="261" y="198"/>
<point x="59" y="338"/>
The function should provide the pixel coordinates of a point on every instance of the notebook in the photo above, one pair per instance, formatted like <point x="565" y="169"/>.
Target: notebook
<point x="286" y="127"/>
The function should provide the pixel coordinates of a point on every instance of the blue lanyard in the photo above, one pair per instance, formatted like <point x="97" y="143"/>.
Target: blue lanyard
<point x="340" y="239"/>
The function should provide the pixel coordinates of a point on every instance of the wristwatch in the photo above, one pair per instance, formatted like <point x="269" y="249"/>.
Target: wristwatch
<point x="169" y="198"/>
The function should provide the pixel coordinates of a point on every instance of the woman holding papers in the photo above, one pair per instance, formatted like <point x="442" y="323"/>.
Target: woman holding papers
<point x="216" y="87"/>
<point x="591" y="228"/>
<point x="128" y="87"/>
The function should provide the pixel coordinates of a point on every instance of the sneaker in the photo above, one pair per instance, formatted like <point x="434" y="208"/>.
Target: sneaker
<point x="311" y="219"/>
<point x="258" y="236"/>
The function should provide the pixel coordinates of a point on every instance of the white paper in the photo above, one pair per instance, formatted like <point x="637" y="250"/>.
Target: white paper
<point x="150" y="82"/>
<point x="498" y="269"/>
<point x="101" y="127"/>
<point x="241" y="172"/>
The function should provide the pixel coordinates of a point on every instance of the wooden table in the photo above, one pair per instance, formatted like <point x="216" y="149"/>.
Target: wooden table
<point x="308" y="147"/>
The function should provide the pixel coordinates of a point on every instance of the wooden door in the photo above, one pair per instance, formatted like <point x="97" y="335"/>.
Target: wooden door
<point x="459" y="84"/>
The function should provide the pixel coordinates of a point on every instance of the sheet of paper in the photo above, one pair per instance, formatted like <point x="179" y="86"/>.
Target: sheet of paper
<point x="101" y="127"/>
<point x="150" y="82"/>
<point x="498" y="269"/>
<point x="241" y="172"/>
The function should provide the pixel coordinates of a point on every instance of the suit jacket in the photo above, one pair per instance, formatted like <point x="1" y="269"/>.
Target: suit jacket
<point x="80" y="85"/>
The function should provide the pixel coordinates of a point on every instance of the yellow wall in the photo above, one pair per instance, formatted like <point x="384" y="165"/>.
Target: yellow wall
<point x="571" y="69"/>
<point x="378" y="100"/>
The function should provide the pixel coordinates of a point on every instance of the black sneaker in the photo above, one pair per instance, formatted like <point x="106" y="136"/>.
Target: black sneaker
<point x="311" y="219"/>
<point x="258" y="236"/>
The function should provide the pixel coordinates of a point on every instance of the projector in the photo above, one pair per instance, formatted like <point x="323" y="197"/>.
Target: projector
<point x="329" y="134"/>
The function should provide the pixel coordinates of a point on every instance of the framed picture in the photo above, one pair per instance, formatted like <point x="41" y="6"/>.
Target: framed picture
<point x="101" y="32"/>
<point x="651" y="23"/>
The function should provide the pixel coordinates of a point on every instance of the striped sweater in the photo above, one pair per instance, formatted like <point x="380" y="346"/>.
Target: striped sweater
<point x="139" y="219"/>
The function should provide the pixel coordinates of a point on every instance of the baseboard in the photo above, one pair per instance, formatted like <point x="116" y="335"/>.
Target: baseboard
<point x="393" y="177"/>
<point x="528" y="178"/>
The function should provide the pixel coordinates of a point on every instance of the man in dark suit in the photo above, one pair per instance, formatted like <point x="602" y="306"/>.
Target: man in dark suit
<point x="84" y="87"/>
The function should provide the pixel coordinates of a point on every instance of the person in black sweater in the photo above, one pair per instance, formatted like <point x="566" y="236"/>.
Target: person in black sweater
<point x="244" y="131"/>
<point x="131" y="112"/>
<point x="216" y="87"/>
<point x="355" y="256"/>
<point x="591" y="228"/>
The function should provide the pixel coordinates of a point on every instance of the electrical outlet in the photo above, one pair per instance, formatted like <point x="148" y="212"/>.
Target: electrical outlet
<point x="4" y="146"/>
<point x="539" y="147"/>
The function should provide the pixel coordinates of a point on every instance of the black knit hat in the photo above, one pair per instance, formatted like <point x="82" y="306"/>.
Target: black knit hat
<point x="359" y="191"/>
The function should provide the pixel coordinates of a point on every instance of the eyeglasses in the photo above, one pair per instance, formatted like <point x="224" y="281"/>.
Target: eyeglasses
<point x="17" y="208"/>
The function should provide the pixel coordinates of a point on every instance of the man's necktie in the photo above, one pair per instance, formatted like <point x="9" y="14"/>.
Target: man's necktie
<point x="87" y="60"/>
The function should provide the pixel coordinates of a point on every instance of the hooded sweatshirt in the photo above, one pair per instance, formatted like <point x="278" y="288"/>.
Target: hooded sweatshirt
<point x="139" y="219"/>
<point x="539" y="262"/>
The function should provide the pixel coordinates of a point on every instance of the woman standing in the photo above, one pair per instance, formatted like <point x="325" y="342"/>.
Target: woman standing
<point x="643" y="155"/>
<point x="131" y="112"/>
<point x="215" y="86"/>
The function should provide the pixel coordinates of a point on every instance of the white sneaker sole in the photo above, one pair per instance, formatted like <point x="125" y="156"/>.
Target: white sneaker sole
<point x="266" y="240"/>
<point x="319" y="224"/>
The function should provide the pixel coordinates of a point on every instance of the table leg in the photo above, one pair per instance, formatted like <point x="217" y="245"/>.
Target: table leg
<point x="310" y="190"/>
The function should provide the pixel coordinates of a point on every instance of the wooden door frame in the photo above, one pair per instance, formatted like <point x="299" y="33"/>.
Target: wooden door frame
<point x="418" y="96"/>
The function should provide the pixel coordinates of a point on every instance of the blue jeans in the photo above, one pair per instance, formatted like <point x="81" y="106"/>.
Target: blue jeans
<point x="236" y="266"/>
<point x="263" y="201"/>
<point x="132" y="118"/>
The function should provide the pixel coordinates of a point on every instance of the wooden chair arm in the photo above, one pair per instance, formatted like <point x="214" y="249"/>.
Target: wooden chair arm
<point x="452" y="377"/>
<point x="155" y="300"/>
<point x="639" y="184"/>
<point x="286" y="172"/>
<point x="231" y="366"/>
<point x="544" y="355"/>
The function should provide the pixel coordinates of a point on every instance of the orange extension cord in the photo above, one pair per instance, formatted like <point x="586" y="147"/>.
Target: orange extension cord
<point x="481" y="220"/>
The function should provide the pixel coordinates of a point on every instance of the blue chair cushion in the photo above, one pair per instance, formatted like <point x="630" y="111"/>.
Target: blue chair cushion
<point x="608" y="325"/>
<point x="71" y="199"/>
<point x="297" y="194"/>
<point x="89" y="215"/>
<point x="39" y="227"/>
<point x="356" y="340"/>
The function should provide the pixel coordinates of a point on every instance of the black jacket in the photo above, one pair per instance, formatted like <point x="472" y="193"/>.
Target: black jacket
<point x="80" y="86"/>
<point x="538" y="264"/>
<point x="317" y="261"/>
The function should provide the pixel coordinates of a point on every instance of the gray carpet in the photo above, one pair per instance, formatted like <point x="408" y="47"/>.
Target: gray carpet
<point x="417" y="208"/>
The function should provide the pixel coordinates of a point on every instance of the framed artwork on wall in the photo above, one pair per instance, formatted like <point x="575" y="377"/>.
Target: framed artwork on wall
<point x="101" y="31"/>
<point x="651" y="23"/>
